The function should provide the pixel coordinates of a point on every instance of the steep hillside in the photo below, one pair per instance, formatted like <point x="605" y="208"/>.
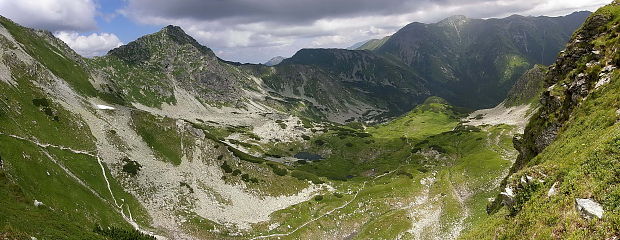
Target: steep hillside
<point x="149" y="69"/>
<point x="373" y="44"/>
<point x="471" y="63"/>
<point x="564" y="184"/>
<point x="84" y="157"/>
<point x="475" y="62"/>
<point x="48" y="155"/>
<point x="161" y="138"/>
<point x="528" y="88"/>
<point x="80" y="150"/>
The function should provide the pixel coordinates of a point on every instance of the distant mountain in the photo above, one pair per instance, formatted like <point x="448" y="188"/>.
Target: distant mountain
<point x="348" y="85"/>
<point x="358" y="44"/>
<point x="274" y="61"/>
<point x="373" y="44"/>
<point x="148" y="69"/>
<point x="472" y="63"/>
<point x="528" y="87"/>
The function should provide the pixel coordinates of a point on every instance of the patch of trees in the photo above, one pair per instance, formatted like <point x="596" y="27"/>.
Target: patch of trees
<point x="246" y="178"/>
<point x="318" y="198"/>
<point x="236" y="172"/>
<point x="227" y="168"/>
<point x="131" y="167"/>
<point x="280" y="171"/>
<point x="44" y="105"/>
<point x="122" y="234"/>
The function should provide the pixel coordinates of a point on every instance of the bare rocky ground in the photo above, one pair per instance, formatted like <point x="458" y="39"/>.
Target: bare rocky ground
<point x="261" y="118"/>
<point x="234" y="205"/>
<point x="516" y="116"/>
<point x="157" y="186"/>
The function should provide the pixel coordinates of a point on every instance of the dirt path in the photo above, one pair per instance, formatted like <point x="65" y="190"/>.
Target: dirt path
<point x="460" y="223"/>
<point x="116" y="206"/>
<point x="324" y="214"/>
<point x="422" y="213"/>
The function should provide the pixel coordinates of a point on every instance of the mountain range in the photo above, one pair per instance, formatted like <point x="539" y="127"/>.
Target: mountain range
<point x="472" y="63"/>
<point x="161" y="138"/>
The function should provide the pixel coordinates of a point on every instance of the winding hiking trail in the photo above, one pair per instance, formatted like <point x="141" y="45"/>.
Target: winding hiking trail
<point x="119" y="208"/>
<point x="324" y="214"/>
<point x="459" y="225"/>
<point x="422" y="213"/>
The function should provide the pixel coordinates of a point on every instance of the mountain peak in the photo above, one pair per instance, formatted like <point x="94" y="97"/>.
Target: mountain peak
<point x="274" y="61"/>
<point x="453" y="19"/>
<point x="173" y="27"/>
<point x="169" y="37"/>
<point x="177" y="35"/>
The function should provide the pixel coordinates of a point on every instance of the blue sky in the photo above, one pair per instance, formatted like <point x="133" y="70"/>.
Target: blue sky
<point x="126" y="29"/>
<point x="257" y="30"/>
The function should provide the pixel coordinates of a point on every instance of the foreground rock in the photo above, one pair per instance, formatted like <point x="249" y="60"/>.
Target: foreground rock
<point x="589" y="208"/>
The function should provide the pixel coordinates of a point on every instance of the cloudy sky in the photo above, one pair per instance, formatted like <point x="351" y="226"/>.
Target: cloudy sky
<point x="256" y="30"/>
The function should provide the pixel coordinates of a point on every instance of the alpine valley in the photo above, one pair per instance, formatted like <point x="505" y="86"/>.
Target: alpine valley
<point x="501" y="128"/>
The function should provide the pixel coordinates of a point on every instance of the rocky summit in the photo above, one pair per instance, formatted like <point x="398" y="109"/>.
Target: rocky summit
<point x="499" y="128"/>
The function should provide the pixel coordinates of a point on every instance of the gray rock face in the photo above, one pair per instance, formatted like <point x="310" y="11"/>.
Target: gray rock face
<point x="507" y="196"/>
<point x="589" y="208"/>
<point x="552" y="191"/>
<point x="560" y="98"/>
<point x="274" y="61"/>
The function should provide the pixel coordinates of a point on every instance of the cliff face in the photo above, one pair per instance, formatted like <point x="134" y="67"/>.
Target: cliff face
<point x="565" y="181"/>
<point x="569" y="81"/>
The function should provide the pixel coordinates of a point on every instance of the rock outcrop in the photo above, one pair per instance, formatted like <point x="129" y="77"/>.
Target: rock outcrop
<point x="589" y="208"/>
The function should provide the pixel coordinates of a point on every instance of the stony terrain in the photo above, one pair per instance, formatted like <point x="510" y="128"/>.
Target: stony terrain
<point x="161" y="138"/>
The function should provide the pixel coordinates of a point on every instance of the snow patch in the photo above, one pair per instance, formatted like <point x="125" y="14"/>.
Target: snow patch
<point x="104" y="107"/>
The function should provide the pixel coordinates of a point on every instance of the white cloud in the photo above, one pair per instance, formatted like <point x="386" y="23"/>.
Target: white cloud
<point x="52" y="15"/>
<point x="267" y="28"/>
<point x="560" y="7"/>
<point x="95" y="44"/>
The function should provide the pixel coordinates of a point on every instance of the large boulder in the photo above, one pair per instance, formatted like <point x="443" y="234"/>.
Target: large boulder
<point x="589" y="208"/>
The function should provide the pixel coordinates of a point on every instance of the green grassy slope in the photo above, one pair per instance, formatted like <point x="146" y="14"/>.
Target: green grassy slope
<point x="373" y="44"/>
<point x="528" y="87"/>
<point x="387" y="180"/>
<point x="432" y="117"/>
<point x="380" y="176"/>
<point x="583" y="160"/>
<point x="47" y="152"/>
